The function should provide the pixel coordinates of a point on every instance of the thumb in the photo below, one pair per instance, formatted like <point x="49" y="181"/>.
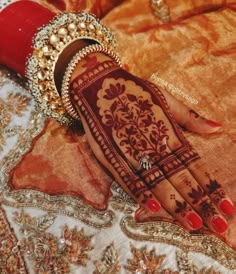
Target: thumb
<point x="188" y="118"/>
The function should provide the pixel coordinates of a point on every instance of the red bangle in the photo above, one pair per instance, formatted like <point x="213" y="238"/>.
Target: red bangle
<point x="19" y="23"/>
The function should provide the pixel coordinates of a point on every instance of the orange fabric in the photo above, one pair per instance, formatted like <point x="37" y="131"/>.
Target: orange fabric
<point x="97" y="7"/>
<point x="61" y="162"/>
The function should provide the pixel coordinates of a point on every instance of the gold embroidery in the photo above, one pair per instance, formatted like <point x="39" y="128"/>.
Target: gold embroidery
<point x="121" y="201"/>
<point x="185" y="265"/>
<point x="172" y="234"/>
<point x="109" y="263"/>
<point x="49" y="253"/>
<point x="11" y="260"/>
<point x="144" y="261"/>
<point x="65" y="205"/>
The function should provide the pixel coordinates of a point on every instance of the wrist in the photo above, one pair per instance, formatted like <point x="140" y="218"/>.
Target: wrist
<point x="89" y="62"/>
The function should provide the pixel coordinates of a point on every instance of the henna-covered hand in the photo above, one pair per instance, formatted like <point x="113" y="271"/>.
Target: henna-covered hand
<point x="133" y="134"/>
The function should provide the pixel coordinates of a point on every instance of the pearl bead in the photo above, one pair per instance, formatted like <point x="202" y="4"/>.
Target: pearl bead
<point x="45" y="50"/>
<point x="53" y="39"/>
<point x="91" y="27"/>
<point x="72" y="27"/>
<point x="62" y="32"/>
<point x="82" y="25"/>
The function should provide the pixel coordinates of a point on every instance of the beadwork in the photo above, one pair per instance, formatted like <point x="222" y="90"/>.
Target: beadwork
<point x="48" y="44"/>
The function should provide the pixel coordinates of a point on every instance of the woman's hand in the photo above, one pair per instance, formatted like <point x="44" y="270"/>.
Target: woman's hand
<point x="133" y="135"/>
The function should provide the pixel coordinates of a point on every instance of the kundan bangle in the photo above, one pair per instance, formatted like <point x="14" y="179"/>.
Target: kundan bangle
<point x="49" y="43"/>
<point x="70" y="68"/>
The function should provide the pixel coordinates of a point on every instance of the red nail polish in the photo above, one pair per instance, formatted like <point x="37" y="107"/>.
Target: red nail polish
<point x="227" y="207"/>
<point x="153" y="205"/>
<point x="213" y="123"/>
<point x="194" y="220"/>
<point x="219" y="224"/>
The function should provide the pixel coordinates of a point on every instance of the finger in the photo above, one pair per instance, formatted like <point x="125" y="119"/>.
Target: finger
<point x="189" y="188"/>
<point x="168" y="195"/>
<point x="197" y="198"/>
<point x="187" y="117"/>
<point x="171" y="199"/>
<point x="212" y="187"/>
<point x="120" y="170"/>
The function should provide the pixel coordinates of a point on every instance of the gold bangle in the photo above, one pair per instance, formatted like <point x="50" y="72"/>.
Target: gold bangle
<point x="48" y="44"/>
<point x="70" y="69"/>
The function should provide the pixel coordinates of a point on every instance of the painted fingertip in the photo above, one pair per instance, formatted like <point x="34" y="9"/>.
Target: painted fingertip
<point x="219" y="225"/>
<point x="194" y="220"/>
<point x="213" y="123"/>
<point x="227" y="207"/>
<point x="153" y="205"/>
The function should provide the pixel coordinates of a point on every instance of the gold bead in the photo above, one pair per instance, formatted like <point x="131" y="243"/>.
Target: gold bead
<point x="41" y="75"/>
<point x="53" y="105"/>
<point x="42" y="87"/>
<point x="43" y="63"/>
<point x="47" y="97"/>
<point x="62" y="32"/>
<point x="72" y="27"/>
<point x="99" y="32"/>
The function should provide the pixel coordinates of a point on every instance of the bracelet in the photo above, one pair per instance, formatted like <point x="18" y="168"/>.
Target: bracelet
<point x="48" y="44"/>
<point x="70" y="68"/>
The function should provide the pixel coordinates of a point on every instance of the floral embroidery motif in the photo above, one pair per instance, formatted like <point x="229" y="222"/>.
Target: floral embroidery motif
<point x="15" y="104"/>
<point x="144" y="261"/>
<point x="133" y="122"/>
<point x="109" y="263"/>
<point x="11" y="260"/>
<point x="49" y="253"/>
<point x="164" y="232"/>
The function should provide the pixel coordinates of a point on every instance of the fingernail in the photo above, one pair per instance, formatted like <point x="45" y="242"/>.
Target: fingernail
<point x="227" y="207"/>
<point x="194" y="220"/>
<point x="219" y="224"/>
<point x="213" y="123"/>
<point x="153" y="205"/>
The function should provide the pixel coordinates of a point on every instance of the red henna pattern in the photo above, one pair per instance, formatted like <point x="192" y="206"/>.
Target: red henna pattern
<point x="215" y="191"/>
<point x="135" y="124"/>
<point x="84" y="90"/>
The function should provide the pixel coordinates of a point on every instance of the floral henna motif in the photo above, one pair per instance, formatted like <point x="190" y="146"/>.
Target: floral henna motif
<point x="128" y="118"/>
<point x="215" y="190"/>
<point x="134" y="123"/>
<point x="206" y="206"/>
